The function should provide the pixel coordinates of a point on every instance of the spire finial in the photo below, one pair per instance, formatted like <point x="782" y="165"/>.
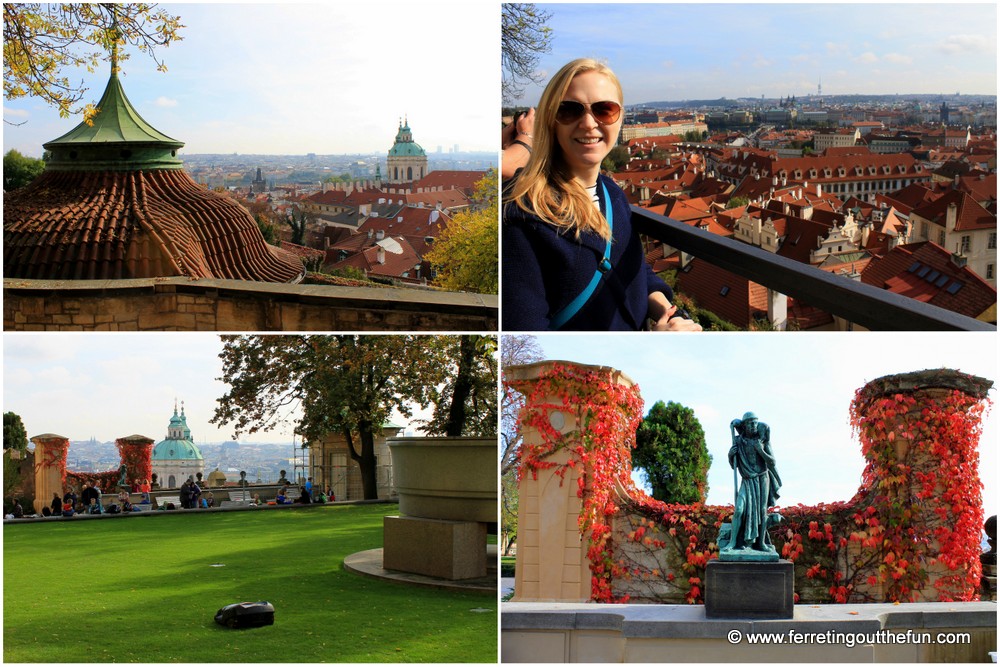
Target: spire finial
<point x="115" y="36"/>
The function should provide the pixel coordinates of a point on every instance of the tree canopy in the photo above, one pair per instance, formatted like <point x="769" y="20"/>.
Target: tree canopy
<point x="15" y="439"/>
<point x="19" y="170"/>
<point x="524" y="36"/>
<point x="671" y="451"/>
<point x="465" y="254"/>
<point x="42" y="41"/>
<point x="350" y="385"/>
<point x="514" y="350"/>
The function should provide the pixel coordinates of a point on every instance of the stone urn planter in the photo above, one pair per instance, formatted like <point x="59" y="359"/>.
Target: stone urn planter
<point x="446" y="478"/>
<point x="447" y="491"/>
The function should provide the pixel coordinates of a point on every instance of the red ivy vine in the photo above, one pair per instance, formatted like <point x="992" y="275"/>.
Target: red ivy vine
<point x="922" y="470"/>
<point x="138" y="458"/>
<point x="915" y="519"/>
<point x="608" y="414"/>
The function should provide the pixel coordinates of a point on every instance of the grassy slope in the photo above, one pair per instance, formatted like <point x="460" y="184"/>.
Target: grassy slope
<point x="144" y="590"/>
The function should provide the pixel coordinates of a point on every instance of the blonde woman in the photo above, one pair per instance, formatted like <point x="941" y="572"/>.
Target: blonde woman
<point x="571" y="259"/>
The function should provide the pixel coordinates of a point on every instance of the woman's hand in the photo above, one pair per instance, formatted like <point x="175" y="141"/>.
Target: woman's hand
<point x="661" y="311"/>
<point x="515" y="155"/>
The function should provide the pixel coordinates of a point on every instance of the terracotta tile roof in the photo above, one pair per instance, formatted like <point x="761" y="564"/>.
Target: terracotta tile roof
<point x="391" y="257"/>
<point x="982" y="187"/>
<point x="328" y="198"/>
<point x="137" y="224"/>
<point x="302" y="252"/>
<point x="448" y="199"/>
<point x="925" y="271"/>
<point x="731" y="297"/>
<point x="970" y="215"/>
<point x="408" y="221"/>
<point x="450" y="180"/>
<point x="909" y="198"/>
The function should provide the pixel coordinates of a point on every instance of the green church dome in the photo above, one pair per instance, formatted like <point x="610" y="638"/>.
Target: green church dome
<point x="404" y="145"/>
<point x="178" y="445"/>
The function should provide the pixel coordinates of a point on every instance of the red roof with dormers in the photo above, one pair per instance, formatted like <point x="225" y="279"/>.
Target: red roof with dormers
<point x="448" y="199"/>
<point x="396" y="254"/>
<point x="925" y="272"/>
<point x="730" y="296"/>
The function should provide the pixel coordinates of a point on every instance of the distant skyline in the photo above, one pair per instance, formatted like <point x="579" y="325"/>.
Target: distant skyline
<point x="294" y="79"/>
<point x="800" y="384"/>
<point x="687" y="51"/>
<point x="109" y="385"/>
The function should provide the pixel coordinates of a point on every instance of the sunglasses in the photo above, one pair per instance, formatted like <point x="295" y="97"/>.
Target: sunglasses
<point x="605" y="113"/>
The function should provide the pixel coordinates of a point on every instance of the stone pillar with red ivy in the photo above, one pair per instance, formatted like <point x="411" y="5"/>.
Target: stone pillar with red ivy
<point x="578" y="427"/>
<point x="919" y="434"/>
<point x="50" y="467"/>
<point x="136" y="452"/>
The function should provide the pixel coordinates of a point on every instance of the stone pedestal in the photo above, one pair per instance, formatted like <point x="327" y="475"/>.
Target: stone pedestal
<point x="749" y="590"/>
<point x="434" y="547"/>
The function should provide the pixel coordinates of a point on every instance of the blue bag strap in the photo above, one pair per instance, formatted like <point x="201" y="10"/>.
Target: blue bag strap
<point x="574" y="306"/>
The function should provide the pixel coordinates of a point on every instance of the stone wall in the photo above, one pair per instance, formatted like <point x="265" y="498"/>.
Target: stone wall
<point x="181" y="304"/>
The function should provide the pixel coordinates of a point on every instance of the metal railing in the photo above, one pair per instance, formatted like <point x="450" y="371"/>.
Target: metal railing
<point x="865" y="305"/>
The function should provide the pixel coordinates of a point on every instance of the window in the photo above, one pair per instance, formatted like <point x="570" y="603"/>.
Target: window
<point x="992" y="243"/>
<point x="989" y="272"/>
<point x="966" y="244"/>
<point x="941" y="238"/>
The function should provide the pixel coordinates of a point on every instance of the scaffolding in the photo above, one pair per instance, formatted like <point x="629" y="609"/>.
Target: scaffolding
<point x="328" y="469"/>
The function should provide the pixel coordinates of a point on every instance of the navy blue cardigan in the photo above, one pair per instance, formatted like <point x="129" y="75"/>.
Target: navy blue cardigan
<point x="545" y="268"/>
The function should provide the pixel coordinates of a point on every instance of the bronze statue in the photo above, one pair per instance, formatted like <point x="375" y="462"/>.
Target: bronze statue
<point x="751" y="455"/>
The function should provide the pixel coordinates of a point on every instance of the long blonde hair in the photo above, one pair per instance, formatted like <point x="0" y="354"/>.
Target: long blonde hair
<point x="545" y="186"/>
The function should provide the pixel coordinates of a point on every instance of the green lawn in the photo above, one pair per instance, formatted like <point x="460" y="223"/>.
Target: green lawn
<point x="146" y="589"/>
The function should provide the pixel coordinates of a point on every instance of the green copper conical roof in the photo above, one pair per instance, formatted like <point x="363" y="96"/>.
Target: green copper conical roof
<point x="118" y="139"/>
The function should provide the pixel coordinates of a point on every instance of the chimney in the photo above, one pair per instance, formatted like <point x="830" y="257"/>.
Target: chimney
<point x="379" y="235"/>
<point x="380" y="255"/>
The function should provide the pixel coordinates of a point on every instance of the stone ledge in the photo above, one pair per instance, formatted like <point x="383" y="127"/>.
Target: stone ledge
<point x="234" y="305"/>
<point x="689" y="621"/>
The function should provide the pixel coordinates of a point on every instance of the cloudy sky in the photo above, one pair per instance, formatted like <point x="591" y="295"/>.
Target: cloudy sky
<point x="295" y="79"/>
<point x="112" y="385"/>
<point x="698" y="50"/>
<point x="801" y="384"/>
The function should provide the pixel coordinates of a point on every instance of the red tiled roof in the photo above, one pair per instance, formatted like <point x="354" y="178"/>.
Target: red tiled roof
<point x="742" y="302"/>
<point x="302" y="251"/>
<point x="451" y="180"/>
<point x="449" y="199"/>
<point x="136" y="224"/>
<point x="926" y="272"/>
<point x="969" y="215"/>
<point x="409" y="221"/>
<point x="396" y="254"/>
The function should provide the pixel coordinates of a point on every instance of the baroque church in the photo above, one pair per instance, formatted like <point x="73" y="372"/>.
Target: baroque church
<point x="407" y="161"/>
<point x="177" y="457"/>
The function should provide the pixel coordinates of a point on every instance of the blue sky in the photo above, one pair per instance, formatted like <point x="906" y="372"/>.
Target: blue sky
<point x="112" y="385"/>
<point x="801" y="384"/>
<point x="698" y="50"/>
<point x="296" y="79"/>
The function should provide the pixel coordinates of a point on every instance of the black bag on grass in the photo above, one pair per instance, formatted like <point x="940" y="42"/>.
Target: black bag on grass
<point x="246" y="615"/>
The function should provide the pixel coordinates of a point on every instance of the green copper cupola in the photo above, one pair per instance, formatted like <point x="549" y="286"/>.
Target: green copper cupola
<point x="117" y="139"/>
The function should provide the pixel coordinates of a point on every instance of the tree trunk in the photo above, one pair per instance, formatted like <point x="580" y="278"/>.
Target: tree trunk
<point x="463" y="386"/>
<point x="366" y="460"/>
<point x="368" y="463"/>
